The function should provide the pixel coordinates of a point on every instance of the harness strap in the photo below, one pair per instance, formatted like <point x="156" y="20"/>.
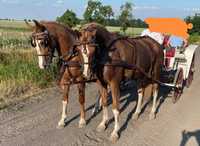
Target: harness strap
<point x="131" y="67"/>
<point x="126" y="65"/>
<point x="114" y="41"/>
<point x="72" y="78"/>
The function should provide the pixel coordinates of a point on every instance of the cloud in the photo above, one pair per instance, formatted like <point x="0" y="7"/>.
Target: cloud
<point x="10" y="1"/>
<point x="146" y="8"/>
<point x="58" y="3"/>
<point x="192" y="9"/>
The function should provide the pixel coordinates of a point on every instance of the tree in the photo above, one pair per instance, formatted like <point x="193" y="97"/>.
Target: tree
<point x="125" y="16"/>
<point x="97" y="12"/>
<point x="195" y="20"/>
<point x="106" y="12"/>
<point x="68" y="18"/>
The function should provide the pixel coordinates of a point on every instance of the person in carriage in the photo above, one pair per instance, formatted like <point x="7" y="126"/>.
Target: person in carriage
<point x="172" y="44"/>
<point x="159" y="37"/>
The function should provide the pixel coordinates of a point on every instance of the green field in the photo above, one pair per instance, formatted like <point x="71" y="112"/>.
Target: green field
<point x="10" y="26"/>
<point x="19" y="71"/>
<point x="130" y="31"/>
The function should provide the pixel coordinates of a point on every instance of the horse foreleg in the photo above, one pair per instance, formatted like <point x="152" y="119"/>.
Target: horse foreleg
<point x="155" y="95"/>
<point x="81" y="89"/>
<point x="139" y="104"/>
<point x="61" y="123"/>
<point x="115" y="108"/>
<point x="103" y="100"/>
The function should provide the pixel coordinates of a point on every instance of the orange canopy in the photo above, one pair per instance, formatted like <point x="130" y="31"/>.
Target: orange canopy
<point x="173" y="26"/>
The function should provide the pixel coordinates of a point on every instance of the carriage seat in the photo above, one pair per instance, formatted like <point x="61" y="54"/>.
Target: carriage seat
<point x="170" y="52"/>
<point x="169" y="55"/>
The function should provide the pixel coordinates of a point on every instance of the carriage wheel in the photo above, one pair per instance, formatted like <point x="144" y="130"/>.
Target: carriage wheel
<point x="178" y="82"/>
<point x="191" y="73"/>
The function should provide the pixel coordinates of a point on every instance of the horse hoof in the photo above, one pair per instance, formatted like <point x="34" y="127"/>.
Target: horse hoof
<point x="101" y="128"/>
<point x="61" y="124"/>
<point x="114" y="137"/>
<point x="60" y="127"/>
<point x="82" y="124"/>
<point x="152" y="116"/>
<point x="135" y="116"/>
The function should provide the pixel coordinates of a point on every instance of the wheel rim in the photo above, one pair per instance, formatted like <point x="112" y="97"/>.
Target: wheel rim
<point x="179" y="84"/>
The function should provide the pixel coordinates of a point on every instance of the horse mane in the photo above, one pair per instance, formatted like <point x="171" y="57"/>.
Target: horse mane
<point x="146" y="37"/>
<point x="58" y="28"/>
<point x="94" y="26"/>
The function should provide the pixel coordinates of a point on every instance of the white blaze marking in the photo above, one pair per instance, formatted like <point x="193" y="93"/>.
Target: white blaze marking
<point x="86" y="60"/>
<point x="82" y="121"/>
<point x="64" y="113"/>
<point x="139" y="103"/>
<point x="40" y="58"/>
<point x="116" y="116"/>
<point x="154" y="101"/>
<point x="105" y="116"/>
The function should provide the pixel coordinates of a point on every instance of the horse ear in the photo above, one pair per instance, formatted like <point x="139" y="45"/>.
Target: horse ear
<point x="29" y="25"/>
<point x="39" y="25"/>
<point x="94" y="32"/>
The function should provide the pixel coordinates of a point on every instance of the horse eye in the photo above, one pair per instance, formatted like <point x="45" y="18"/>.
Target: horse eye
<point x="41" y="43"/>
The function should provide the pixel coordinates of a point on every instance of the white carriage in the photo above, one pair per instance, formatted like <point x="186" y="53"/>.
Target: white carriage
<point x="180" y="70"/>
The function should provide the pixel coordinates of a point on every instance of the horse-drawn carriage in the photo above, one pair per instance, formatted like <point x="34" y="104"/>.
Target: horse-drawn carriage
<point x="109" y="57"/>
<point x="178" y="69"/>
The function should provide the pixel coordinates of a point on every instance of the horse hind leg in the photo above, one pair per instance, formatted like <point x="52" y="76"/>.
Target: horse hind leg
<point x="139" y="104"/>
<point x="61" y="123"/>
<point x="115" y="108"/>
<point x="102" y="125"/>
<point x="152" y="114"/>
<point x="98" y="105"/>
<point x="81" y="89"/>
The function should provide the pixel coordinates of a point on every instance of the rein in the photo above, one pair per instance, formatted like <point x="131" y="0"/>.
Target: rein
<point x="67" y="63"/>
<point x="119" y="63"/>
<point x="132" y="67"/>
<point x="42" y="36"/>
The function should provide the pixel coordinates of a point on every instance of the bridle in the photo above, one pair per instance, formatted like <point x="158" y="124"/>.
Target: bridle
<point x="90" y="43"/>
<point x="45" y="37"/>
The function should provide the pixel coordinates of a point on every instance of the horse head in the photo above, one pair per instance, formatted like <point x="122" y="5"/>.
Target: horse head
<point x="89" y="47"/>
<point x="41" y="41"/>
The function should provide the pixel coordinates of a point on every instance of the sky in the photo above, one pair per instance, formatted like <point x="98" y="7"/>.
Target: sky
<point x="50" y="9"/>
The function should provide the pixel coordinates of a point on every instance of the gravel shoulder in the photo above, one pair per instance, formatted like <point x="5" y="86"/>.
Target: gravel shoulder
<point x="33" y="122"/>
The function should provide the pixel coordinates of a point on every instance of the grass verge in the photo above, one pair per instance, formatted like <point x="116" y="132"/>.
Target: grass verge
<point x="20" y="74"/>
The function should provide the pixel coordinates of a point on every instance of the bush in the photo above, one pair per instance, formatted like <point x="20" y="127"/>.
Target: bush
<point x="194" y="38"/>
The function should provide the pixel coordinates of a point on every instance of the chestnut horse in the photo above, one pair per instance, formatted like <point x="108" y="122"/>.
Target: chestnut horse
<point x="50" y="36"/>
<point x="109" y="56"/>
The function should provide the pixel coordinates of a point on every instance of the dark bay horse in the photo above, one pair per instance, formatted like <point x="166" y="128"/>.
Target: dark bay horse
<point x="50" y="36"/>
<point x="108" y="54"/>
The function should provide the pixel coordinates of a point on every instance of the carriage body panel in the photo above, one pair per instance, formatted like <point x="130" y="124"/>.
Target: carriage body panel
<point x="189" y="53"/>
<point x="183" y="59"/>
